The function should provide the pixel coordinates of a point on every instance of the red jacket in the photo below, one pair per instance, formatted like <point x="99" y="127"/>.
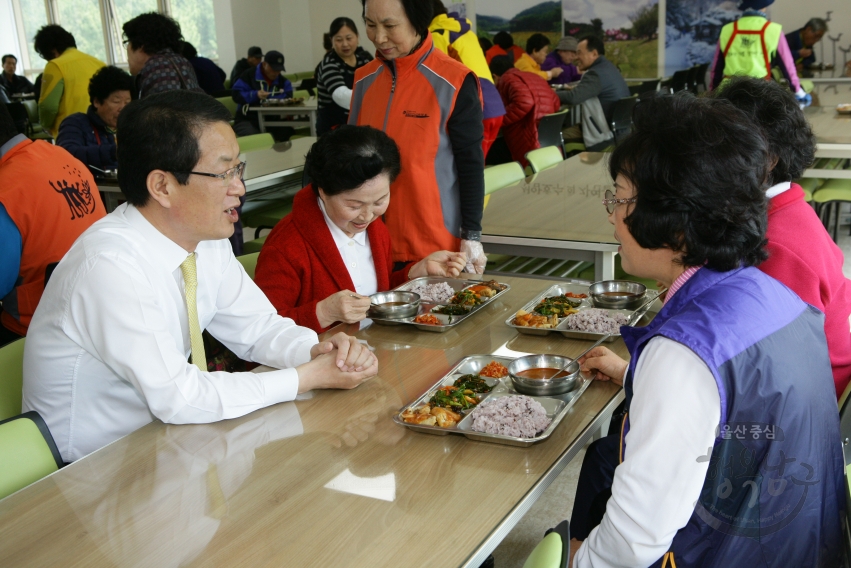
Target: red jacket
<point x="527" y="99"/>
<point x="299" y="264"/>
<point x="805" y="258"/>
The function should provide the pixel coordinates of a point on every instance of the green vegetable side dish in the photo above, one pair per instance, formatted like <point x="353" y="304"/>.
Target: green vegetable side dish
<point x="466" y="298"/>
<point x="452" y="310"/>
<point x="557" y="305"/>
<point x="454" y="398"/>
<point x="472" y="383"/>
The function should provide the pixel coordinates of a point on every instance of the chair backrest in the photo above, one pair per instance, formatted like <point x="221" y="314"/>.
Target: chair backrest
<point x="301" y="94"/>
<point x="227" y="83"/>
<point x="309" y="85"/>
<point x="230" y="104"/>
<point x="542" y="158"/>
<point x="32" y="109"/>
<point x="255" y="142"/>
<point x="28" y="451"/>
<point x="549" y="129"/>
<point x="19" y="116"/>
<point x="553" y="551"/>
<point x="678" y="81"/>
<point x="503" y="175"/>
<point x="249" y="262"/>
<point x="622" y="117"/>
<point x="691" y="81"/>
<point x="11" y="378"/>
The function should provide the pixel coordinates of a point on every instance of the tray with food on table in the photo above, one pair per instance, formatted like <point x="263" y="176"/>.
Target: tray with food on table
<point x="580" y="311"/>
<point x="294" y="101"/>
<point x="434" y="303"/>
<point x="479" y="398"/>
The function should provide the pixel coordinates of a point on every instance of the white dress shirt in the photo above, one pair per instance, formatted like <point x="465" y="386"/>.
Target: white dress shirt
<point x="357" y="256"/>
<point x="673" y="417"/>
<point x="107" y="348"/>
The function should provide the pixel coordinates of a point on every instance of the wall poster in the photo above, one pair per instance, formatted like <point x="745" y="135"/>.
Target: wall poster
<point x="521" y="18"/>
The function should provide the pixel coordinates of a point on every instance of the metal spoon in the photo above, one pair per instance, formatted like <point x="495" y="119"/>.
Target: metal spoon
<point x="573" y="366"/>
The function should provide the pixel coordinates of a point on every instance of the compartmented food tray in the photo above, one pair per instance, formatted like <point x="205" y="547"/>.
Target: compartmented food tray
<point x="447" y="322"/>
<point x="561" y="327"/>
<point x="556" y="406"/>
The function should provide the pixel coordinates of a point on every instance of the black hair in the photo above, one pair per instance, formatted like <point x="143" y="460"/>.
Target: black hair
<point x="188" y="50"/>
<point x="500" y="64"/>
<point x="817" y="25"/>
<point x="785" y="128"/>
<point x="7" y="56"/>
<point x="106" y="81"/>
<point x="8" y="130"/>
<point x="327" y="42"/>
<point x="485" y="44"/>
<point x="418" y="13"/>
<point x="699" y="169"/>
<point x="503" y="40"/>
<point x="536" y="42"/>
<point x="594" y="43"/>
<point x="161" y="132"/>
<point x="340" y="23"/>
<point x="153" y="33"/>
<point x="347" y="157"/>
<point x="50" y="37"/>
<point x="437" y="8"/>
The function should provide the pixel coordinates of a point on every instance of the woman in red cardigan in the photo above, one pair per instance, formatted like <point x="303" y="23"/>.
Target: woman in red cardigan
<point x="322" y="261"/>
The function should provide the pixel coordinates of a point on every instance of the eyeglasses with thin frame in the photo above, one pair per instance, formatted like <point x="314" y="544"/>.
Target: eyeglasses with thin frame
<point x="226" y="177"/>
<point x="611" y="202"/>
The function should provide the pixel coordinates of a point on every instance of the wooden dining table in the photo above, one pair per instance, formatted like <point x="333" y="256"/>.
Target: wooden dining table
<point x="326" y="480"/>
<point x="833" y="139"/>
<point x="556" y="213"/>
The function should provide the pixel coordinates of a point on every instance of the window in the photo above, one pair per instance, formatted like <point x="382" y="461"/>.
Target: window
<point x="121" y="11"/>
<point x="33" y="16"/>
<point x="197" y="24"/>
<point x="82" y="19"/>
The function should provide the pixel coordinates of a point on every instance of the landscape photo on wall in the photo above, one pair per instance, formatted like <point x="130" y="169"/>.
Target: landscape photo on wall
<point x="629" y="28"/>
<point x="692" y="28"/>
<point x="521" y="18"/>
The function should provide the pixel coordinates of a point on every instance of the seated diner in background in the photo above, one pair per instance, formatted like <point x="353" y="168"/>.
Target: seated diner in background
<point x="321" y="263"/>
<point x="47" y="200"/>
<point x="537" y="47"/>
<point x="260" y="83"/>
<point x="250" y="61"/>
<point x="14" y="84"/>
<point x="563" y="57"/>
<point x="801" y="253"/>
<point x="503" y="44"/>
<point x="124" y="310"/>
<point x="731" y="349"/>
<point x="91" y="136"/>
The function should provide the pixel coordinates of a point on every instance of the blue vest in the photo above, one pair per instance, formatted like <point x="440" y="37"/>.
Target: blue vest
<point x="773" y="494"/>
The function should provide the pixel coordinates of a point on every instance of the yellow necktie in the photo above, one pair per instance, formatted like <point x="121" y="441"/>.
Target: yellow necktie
<point x="190" y="287"/>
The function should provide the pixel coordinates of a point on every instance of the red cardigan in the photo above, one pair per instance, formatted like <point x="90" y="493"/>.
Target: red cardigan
<point x="299" y="264"/>
<point x="805" y="258"/>
<point x="527" y="99"/>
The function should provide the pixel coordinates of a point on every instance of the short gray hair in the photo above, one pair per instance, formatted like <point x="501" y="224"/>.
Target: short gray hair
<point x="817" y="25"/>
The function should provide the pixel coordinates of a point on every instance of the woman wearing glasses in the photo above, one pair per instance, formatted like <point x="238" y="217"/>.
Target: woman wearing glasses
<point x="730" y="379"/>
<point x="320" y="263"/>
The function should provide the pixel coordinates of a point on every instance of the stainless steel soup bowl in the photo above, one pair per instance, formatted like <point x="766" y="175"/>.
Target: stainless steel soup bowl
<point x="542" y="387"/>
<point x="409" y="307"/>
<point x="635" y="290"/>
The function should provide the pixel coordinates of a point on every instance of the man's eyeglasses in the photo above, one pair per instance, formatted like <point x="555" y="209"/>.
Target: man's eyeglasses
<point x="611" y="201"/>
<point x="227" y="177"/>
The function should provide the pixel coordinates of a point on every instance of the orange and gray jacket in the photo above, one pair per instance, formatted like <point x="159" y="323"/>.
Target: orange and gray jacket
<point x="431" y="106"/>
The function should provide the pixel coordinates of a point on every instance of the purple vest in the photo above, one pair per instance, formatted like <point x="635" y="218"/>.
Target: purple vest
<point x="773" y="494"/>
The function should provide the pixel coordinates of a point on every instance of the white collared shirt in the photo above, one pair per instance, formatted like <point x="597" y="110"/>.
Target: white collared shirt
<point x="357" y="256"/>
<point x="107" y="348"/>
<point x="776" y="190"/>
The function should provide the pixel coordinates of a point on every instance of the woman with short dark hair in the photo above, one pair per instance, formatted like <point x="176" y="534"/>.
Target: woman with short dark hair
<point x="154" y="42"/>
<point x="537" y="48"/>
<point x="733" y="359"/>
<point x="91" y="136"/>
<point x="335" y="75"/>
<point x="319" y="265"/>
<point x="430" y="104"/>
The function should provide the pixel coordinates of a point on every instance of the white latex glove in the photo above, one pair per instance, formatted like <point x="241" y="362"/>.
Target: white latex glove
<point x="476" y="259"/>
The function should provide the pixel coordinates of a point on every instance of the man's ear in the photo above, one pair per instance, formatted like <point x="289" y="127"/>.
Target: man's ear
<point x="161" y="187"/>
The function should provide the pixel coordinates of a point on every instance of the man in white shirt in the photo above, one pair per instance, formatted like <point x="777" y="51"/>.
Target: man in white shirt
<point x="108" y="345"/>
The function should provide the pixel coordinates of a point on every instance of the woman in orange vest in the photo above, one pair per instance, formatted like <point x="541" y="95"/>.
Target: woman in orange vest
<point x="431" y="106"/>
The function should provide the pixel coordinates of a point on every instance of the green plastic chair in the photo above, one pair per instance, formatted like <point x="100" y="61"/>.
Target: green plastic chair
<point x="543" y="158"/>
<point x="230" y="104"/>
<point x="251" y="142"/>
<point x="37" y="131"/>
<point x="553" y="551"/>
<point x="28" y="451"/>
<point x="249" y="262"/>
<point x="11" y="378"/>
<point x="301" y="94"/>
<point x="302" y="75"/>
<point x="810" y="186"/>
<point x="227" y="83"/>
<point x="267" y="216"/>
<point x="503" y="175"/>
<point x="291" y="77"/>
<point x="829" y="197"/>
<point x="254" y="246"/>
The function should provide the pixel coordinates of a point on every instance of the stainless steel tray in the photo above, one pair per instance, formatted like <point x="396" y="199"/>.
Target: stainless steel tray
<point x="556" y="406"/>
<point x="448" y="322"/>
<point x="557" y="290"/>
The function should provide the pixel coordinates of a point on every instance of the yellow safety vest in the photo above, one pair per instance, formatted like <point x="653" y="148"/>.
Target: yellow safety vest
<point x="748" y="45"/>
<point x="466" y="46"/>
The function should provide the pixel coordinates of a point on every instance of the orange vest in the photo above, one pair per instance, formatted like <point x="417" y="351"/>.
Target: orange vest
<point x="411" y="99"/>
<point x="52" y="198"/>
